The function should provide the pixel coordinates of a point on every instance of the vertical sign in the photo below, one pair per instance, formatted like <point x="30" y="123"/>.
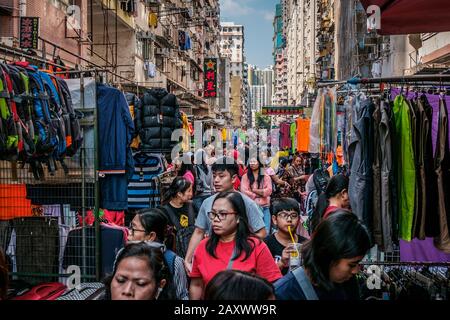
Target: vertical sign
<point x="210" y="74"/>
<point x="29" y="32"/>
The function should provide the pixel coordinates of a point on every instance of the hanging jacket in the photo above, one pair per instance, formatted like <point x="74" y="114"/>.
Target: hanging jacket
<point x="156" y="118"/>
<point x="442" y="162"/>
<point x="377" y="204"/>
<point x="426" y="190"/>
<point x="405" y="166"/>
<point x="115" y="129"/>
<point x="361" y="160"/>
<point x="387" y="177"/>
<point x="115" y="134"/>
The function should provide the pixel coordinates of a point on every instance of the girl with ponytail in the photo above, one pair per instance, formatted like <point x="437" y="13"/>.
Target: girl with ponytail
<point x="335" y="197"/>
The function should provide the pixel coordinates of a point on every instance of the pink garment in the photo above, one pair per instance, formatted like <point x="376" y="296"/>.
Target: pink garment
<point x="285" y="134"/>
<point x="189" y="176"/>
<point x="266" y="187"/>
<point x="270" y="172"/>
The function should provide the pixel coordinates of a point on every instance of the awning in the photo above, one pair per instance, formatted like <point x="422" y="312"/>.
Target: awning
<point x="411" y="16"/>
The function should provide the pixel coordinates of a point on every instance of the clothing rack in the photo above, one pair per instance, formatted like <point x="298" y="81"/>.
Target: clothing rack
<point x="21" y="53"/>
<point x="412" y="263"/>
<point x="436" y="78"/>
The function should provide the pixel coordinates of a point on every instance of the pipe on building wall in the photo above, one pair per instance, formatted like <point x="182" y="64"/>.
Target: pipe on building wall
<point x="22" y="8"/>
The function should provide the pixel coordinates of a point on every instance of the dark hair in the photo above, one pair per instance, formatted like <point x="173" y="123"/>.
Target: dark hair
<point x="341" y="236"/>
<point x="3" y="276"/>
<point x="284" y="204"/>
<point x="186" y="165"/>
<point x="336" y="185"/>
<point x="200" y="160"/>
<point x="226" y="164"/>
<point x="238" y="285"/>
<point x="154" y="220"/>
<point x="261" y="173"/>
<point x="179" y="184"/>
<point x="297" y="155"/>
<point x="284" y="162"/>
<point x="156" y="263"/>
<point x="243" y="234"/>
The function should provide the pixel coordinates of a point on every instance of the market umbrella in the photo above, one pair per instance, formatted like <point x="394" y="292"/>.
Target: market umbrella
<point x="412" y="16"/>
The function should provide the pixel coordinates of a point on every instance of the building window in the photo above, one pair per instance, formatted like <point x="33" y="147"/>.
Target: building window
<point x="61" y="4"/>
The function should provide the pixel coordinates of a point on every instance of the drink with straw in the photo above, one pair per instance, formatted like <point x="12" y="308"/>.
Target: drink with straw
<point x="295" y="249"/>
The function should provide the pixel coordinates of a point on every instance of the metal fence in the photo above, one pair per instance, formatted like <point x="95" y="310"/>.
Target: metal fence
<point x="41" y="222"/>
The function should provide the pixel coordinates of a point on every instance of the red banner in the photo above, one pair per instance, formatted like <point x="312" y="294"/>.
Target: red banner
<point x="210" y="75"/>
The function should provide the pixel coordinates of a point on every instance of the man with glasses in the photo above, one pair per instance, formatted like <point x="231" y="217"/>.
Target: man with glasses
<point x="225" y="173"/>
<point x="285" y="215"/>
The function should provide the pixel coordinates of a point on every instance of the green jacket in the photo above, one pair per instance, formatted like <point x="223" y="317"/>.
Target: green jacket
<point x="406" y="170"/>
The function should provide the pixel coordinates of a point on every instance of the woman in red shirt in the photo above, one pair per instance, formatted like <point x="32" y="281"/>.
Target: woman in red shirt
<point x="230" y="246"/>
<point x="335" y="197"/>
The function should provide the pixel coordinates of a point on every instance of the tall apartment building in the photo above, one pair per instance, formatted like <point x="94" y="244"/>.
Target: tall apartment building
<point x="262" y="77"/>
<point x="280" y="58"/>
<point x="232" y="47"/>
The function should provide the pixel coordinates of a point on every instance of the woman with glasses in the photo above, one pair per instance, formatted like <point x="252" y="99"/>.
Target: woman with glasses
<point x="231" y="246"/>
<point x="285" y="216"/>
<point x="150" y="225"/>
<point x="257" y="185"/>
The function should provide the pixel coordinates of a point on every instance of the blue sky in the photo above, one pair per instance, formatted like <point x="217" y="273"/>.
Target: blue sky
<point x="257" y="18"/>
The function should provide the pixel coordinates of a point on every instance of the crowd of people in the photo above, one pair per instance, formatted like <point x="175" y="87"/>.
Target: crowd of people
<point x="229" y="230"/>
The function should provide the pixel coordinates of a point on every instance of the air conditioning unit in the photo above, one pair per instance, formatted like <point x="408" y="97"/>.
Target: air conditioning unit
<point x="8" y="41"/>
<point x="162" y="51"/>
<point x="152" y="3"/>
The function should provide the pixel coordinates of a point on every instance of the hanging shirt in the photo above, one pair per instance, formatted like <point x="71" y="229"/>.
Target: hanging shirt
<point x="224" y="135"/>
<point x="303" y="126"/>
<point x="293" y="136"/>
<point x="285" y="139"/>
<point x="152" y="20"/>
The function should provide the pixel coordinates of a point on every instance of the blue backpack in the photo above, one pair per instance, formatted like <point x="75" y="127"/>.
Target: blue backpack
<point x="56" y="113"/>
<point x="169" y="257"/>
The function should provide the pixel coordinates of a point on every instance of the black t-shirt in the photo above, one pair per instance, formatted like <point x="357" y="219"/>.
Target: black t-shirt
<point x="180" y="214"/>
<point x="276" y="248"/>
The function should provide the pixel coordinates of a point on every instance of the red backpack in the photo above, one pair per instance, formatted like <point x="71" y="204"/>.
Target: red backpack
<point x="45" y="291"/>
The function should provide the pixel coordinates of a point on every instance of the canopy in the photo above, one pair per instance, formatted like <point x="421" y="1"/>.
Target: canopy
<point x="412" y="16"/>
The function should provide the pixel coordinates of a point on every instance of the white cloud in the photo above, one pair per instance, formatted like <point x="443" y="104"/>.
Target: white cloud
<point x="234" y="8"/>
<point x="269" y="16"/>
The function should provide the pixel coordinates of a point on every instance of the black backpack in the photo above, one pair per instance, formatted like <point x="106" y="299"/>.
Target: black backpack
<point x="181" y="235"/>
<point x="321" y="178"/>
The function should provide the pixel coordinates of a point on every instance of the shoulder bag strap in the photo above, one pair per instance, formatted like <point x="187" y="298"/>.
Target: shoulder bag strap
<point x="231" y="261"/>
<point x="191" y="213"/>
<point x="305" y="284"/>
<point x="172" y="216"/>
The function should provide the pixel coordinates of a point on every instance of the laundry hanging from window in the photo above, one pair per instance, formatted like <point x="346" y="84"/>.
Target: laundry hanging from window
<point x="184" y="41"/>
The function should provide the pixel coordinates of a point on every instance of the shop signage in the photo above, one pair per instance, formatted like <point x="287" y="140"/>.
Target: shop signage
<point x="29" y="32"/>
<point x="210" y="75"/>
<point x="282" y="110"/>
